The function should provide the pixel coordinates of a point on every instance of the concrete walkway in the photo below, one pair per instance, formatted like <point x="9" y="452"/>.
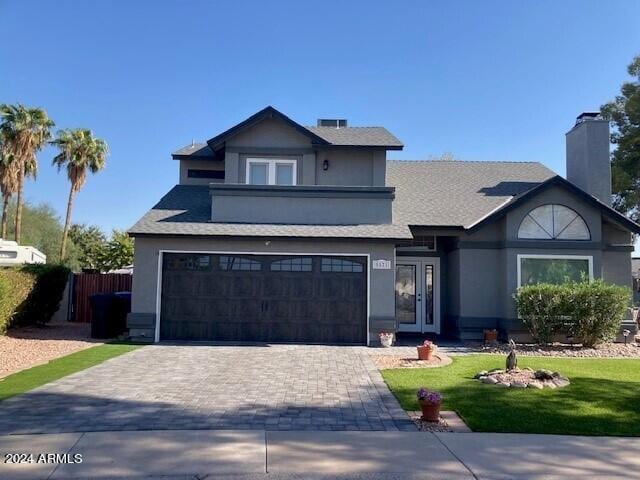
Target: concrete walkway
<point x="252" y="454"/>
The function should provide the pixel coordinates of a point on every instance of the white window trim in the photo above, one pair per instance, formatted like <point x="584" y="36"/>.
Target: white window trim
<point x="271" y="168"/>
<point x="559" y="257"/>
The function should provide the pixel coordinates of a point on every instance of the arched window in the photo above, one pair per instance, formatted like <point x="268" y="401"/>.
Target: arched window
<point x="553" y="222"/>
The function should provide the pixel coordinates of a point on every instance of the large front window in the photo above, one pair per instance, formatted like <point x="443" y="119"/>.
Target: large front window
<point x="555" y="269"/>
<point x="271" y="171"/>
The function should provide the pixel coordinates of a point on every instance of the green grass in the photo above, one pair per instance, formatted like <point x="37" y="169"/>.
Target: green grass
<point x="603" y="398"/>
<point x="34" y="377"/>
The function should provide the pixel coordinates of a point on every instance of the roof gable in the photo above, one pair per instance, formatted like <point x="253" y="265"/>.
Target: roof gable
<point x="268" y="112"/>
<point x="558" y="181"/>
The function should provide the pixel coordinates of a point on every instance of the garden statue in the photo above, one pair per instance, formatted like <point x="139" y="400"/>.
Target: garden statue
<point x="512" y="359"/>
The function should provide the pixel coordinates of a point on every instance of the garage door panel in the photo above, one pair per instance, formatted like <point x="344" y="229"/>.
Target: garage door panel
<point x="264" y="298"/>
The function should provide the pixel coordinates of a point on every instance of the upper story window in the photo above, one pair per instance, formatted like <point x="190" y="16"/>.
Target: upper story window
<point x="271" y="171"/>
<point x="553" y="222"/>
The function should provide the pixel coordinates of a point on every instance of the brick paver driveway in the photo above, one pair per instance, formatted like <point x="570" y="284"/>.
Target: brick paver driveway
<point x="272" y="387"/>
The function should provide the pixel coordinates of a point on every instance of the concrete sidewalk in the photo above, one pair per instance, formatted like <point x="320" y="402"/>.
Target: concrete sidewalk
<point x="251" y="454"/>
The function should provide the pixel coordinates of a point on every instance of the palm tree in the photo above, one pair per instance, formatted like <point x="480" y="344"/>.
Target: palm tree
<point x="80" y="151"/>
<point x="25" y="131"/>
<point x="8" y="182"/>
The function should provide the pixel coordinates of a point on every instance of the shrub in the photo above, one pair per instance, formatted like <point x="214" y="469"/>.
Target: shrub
<point x="30" y="294"/>
<point x="15" y="286"/>
<point x="542" y="308"/>
<point x="590" y="311"/>
<point x="597" y="310"/>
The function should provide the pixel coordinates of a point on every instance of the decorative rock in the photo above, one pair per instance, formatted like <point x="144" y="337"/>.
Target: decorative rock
<point x="523" y="378"/>
<point x="489" y="380"/>
<point x="561" y="382"/>
<point x="543" y="374"/>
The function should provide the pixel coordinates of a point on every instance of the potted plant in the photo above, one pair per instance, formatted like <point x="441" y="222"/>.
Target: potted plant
<point x="430" y="403"/>
<point x="386" y="339"/>
<point x="490" y="336"/>
<point x="426" y="350"/>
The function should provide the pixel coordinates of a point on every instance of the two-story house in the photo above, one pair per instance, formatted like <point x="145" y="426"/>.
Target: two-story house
<point x="279" y="232"/>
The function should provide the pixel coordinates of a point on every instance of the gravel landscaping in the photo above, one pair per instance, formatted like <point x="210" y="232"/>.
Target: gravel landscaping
<point x="27" y="347"/>
<point x="607" y="350"/>
<point x="441" y="426"/>
<point x="392" y="361"/>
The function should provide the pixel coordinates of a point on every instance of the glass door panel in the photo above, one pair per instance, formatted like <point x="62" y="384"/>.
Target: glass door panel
<point x="428" y="295"/>
<point x="407" y="288"/>
<point x="417" y="295"/>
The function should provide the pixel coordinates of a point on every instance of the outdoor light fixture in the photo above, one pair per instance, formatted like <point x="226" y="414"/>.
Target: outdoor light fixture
<point x="325" y="164"/>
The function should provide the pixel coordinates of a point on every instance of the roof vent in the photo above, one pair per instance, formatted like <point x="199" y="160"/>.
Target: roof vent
<point x="332" y="122"/>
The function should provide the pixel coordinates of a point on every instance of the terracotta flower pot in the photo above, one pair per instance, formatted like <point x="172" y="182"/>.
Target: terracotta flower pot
<point x="430" y="411"/>
<point x="490" y="336"/>
<point x="425" y="352"/>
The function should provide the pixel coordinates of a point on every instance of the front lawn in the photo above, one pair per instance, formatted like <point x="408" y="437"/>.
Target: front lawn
<point x="603" y="398"/>
<point x="34" y="377"/>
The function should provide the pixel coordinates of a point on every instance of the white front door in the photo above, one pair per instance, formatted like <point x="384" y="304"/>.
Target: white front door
<point x="418" y="295"/>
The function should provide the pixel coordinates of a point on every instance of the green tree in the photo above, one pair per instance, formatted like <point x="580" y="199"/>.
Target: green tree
<point x="118" y="252"/>
<point x="25" y="131"/>
<point x="80" y="152"/>
<point x="90" y="242"/>
<point x="8" y="182"/>
<point x="42" y="229"/>
<point x="624" y="115"/>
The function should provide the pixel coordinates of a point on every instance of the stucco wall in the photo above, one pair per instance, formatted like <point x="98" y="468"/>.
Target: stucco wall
<point x="270" y="133"/>
<point x="351" y="166"/>
<point x="326" y="210"/>
<point x="272" y="138"/>
<point x="588" y="159"/>
<point x="484" y="265"/>
<point x="381" y="282"/>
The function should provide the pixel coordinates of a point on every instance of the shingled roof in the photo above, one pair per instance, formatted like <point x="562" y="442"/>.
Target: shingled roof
<point x="428" y="193"/>
<point x="186" y="210"/>
<point x="457" y="193"/>
<point x="319" y="136"/>
<point x="193" y="151"/>
<point x="358" y="137"/>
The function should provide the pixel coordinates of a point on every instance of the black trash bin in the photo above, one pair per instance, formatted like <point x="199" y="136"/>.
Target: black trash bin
<point x="109" y="314"/>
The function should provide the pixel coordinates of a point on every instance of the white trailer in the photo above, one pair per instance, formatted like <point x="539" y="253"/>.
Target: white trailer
<point x="13" y="254"/>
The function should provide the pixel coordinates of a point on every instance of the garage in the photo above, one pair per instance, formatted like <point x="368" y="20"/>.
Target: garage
<point x="264" y="298"/>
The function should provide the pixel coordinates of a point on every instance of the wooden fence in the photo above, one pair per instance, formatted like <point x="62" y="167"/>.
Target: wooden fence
<point x="87" y="284"/>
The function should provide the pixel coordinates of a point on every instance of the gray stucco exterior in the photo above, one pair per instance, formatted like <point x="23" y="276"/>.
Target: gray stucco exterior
<point x="483" y="266"/>
<point x="348" y="199"/>
<point x="145" y="292"/>
<point x="301" y="204"/>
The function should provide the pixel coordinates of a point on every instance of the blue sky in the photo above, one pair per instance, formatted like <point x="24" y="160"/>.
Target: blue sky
<point x="490" y="80"/>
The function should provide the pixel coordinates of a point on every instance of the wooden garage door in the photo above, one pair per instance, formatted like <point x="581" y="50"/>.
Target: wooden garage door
<point x="307" y="299"/>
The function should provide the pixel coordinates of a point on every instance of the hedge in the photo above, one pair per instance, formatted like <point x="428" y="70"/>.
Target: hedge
<point x="30" y="294"/>
<point x="591" y="312"/>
